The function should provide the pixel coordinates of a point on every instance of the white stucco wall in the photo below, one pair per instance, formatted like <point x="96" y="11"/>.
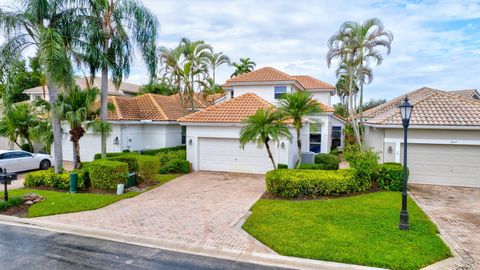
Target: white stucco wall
<point x="264" y="91"/>
<point x="324" y="97"/>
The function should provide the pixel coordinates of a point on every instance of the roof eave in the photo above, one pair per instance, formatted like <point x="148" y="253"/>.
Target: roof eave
<point x="423" y="126"/>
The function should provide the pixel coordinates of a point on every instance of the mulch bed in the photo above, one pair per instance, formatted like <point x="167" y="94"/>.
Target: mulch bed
<point x="18" y="211"/>
<point x="373" y="188"/>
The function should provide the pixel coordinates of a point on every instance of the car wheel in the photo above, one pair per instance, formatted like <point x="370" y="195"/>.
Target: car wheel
<point x="45" y="164"/>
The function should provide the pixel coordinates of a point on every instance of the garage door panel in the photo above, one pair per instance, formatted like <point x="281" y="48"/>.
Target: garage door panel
<point x="455" y="165"/>
<point x="225" y="154"/>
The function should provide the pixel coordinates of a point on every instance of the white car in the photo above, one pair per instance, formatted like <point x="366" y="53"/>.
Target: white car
<point x="18" y="160"/>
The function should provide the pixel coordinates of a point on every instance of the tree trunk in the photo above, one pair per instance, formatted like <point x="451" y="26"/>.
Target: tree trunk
<point x="270" y="154"/>
<point x="299" y="150"/>
<point x="76" y="154"/>
<point x="103" y="103"/>
<point x="56" y="127"/>
<point x="213" y="78"/>
<point x="352" y="112"/>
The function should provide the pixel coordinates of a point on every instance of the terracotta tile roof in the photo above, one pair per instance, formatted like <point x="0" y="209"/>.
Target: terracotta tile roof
<point x="308" y="82"/>
<point x="469" y="93"/>
<point x="432" y="107"/>
<point x="148" y="107"/>
<point x="269" y="74"/>
<point x="325" y="107"/>
<point x="232" y="111"/>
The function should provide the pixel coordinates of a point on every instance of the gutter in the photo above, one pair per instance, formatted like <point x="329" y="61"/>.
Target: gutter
<point x="423" y="127"/>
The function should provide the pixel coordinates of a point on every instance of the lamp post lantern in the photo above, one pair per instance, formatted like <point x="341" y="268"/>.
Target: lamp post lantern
<point x="406" y="112"/>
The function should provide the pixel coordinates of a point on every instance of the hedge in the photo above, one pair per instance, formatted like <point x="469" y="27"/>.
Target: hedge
<point x="129" y="158"/>
<point x="148" y="152"/>
<point x="107" y="174"/>
<point x="327" y="161"/>
<point x="148" y="167"/>
<point x="50" y="179"/>
<point x="390" y="176"/>
<point x="297" y="183"/>
<point x="282" y="166"/>
<point x="364" y="162"/>
<point x="174" y="162"/>
<point x="311" y="167"/>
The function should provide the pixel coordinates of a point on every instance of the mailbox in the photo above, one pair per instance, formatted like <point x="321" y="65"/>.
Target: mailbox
<point x="6" y="179"/>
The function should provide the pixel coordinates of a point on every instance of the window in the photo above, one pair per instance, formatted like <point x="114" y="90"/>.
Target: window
<point x="184" y="134"/>
<point x="279" y="91"/>
<point x="232" y="94"/>
<point x="315" y="138"/>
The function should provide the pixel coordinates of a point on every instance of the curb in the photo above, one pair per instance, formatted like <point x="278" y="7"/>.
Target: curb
<point x="221" y="253"/>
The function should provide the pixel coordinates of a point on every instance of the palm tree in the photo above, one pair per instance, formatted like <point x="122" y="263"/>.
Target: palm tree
<point x="17" y="124"/>
<point x="297" y="106"/>
<point x="43" y="134"/>
<point x="114" y="28"/>
<point x="215" y="60"/>
<point x="76" y="107"/>
<point x="264" y="126"/>
<point x="246" y="65"/>
<point x="49" y="27"/>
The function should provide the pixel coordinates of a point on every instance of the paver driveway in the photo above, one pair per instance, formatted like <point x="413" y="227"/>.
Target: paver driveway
<point x="199" y="208"/>
<point x="456" y="211"/>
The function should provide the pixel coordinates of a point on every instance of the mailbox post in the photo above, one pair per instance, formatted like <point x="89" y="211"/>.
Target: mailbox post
<point x="6" y="179"/>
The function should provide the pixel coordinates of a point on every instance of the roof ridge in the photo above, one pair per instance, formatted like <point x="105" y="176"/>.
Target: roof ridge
<point x="471" y="100"/>
<point x="394" y="100"/>
<point x="162" y="112"/>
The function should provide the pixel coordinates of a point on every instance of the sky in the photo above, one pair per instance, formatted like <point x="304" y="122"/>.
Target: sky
<point x="436" y="43"/>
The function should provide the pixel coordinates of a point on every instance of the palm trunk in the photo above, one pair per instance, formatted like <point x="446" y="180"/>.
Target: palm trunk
<point x="352" y="112"/>
<point x="192" y="103"/>
<point x="76" y="153"/>
<point x="270" y="154"/>
<point x="299" y="150"/>
<point x="213" y="78"/>
<point x="103" y="102"/>
<point x="56" y="127"/>
<point x="360" y="108"/>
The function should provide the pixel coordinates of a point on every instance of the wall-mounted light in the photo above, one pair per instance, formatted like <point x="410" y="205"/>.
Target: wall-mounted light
<point x="390" y="149"/>
<point x="116" y="141"/>
<point x="282" y="145"/>
<point x="190" y="141"/>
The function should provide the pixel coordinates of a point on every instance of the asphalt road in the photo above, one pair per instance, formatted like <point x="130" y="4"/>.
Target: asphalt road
<point x="26" y="248"/>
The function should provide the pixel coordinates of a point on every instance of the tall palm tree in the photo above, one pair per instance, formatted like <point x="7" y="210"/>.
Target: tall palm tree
<point x="215" y="60"/>
<point x="49" y="27"/>
<point x="76" y="107"/>
<point x="246" y="65"/>
<point x="297" y="106"/>
<point x="114" y="27"/>
<point x="264" y="126"/>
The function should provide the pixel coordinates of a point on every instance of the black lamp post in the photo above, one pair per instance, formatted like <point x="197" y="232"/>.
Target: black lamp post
<point x="405" y="111"/>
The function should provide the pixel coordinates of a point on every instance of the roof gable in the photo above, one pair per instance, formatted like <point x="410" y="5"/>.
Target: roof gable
<point x="469" y="93"/>
<point x="309" y="82"/>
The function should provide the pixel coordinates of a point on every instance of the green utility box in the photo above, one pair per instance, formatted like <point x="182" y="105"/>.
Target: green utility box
<point x="132" y="180"/>
<point x="73" y="182"/>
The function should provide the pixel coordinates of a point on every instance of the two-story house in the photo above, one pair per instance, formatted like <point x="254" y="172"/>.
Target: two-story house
<point x="213" y="134"/>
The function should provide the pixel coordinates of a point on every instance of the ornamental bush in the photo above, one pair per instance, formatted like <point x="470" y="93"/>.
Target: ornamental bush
<point x="14" y="201"/>
<point x="107" y="174"/>
<point x="149" y="152"/>
<point x="129" y="158"/>
<point x="327" y="161"/>
<point x="174" y="162"/>
<point x="282" y="166"/>
<point x="49" y="179"/>
<point x="390" y="176"/>
<point x="148" y="167"/>
<point x="364" y="162"/>
<point x="297" y="183"/>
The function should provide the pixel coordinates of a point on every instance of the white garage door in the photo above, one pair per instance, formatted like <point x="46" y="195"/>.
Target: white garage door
<point x="221" y="154"/>
<point x="455" y="165"/>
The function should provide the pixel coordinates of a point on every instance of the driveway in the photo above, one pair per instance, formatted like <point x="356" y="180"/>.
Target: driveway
<point x="202" y="208"/>
<point x="456" y="211"/>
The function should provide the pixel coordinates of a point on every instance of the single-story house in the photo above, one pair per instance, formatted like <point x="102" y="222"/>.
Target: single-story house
<point x="443" y="137"/>
<point x="125" y="89"/>
<point x="143" y="122"/>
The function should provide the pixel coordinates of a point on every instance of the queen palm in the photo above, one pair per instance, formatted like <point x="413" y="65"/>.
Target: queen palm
<point x="297" y="106"/>
<point x="114" y="27"/>
<point x="215" y="60"/>
<point x="264" y="126"/>
<point x="246" y="65"/>
<point x="46" y="26"/>
<point x="76" y="107"/>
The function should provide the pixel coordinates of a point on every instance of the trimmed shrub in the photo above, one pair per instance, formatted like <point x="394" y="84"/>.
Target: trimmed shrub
<point x="365" y="162"/>
<point x="14" y="201"/>
<point x="130" y="159"/>
<point x="311" y="167"/>
<point x="98" y="156"/>
<point x="393" y="163"/>
<point x="50" y="179"/>
<point x="106" y="174"/>
<point x="296" y="183"/>
<point x="282" y="166"/>
<point x="174" y="162"/>
<point x="149" y="152"/>
<point x="334" y="152"/>
<point x="148" y="167"/>
<point x="327" y="161"/>
<point x="390" y="177"/>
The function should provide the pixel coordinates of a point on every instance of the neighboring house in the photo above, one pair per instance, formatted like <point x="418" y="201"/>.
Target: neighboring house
<point x="213" y="134"/>
<point x="443" y="137"/>
<point x="142" y="122"/>
<point x="125" y="89"/>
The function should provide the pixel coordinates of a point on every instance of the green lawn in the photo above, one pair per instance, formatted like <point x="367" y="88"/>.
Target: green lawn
<point x="359" y="230"/>
<point x="63" y="202"/>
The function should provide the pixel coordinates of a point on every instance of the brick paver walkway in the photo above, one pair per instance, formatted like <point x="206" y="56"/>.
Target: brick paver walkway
<point x="456" y="211"/>
<point x="200" y="208"/>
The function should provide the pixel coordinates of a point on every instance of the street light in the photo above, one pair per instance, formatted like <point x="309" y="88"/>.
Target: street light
<point x="406" y="112"/>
